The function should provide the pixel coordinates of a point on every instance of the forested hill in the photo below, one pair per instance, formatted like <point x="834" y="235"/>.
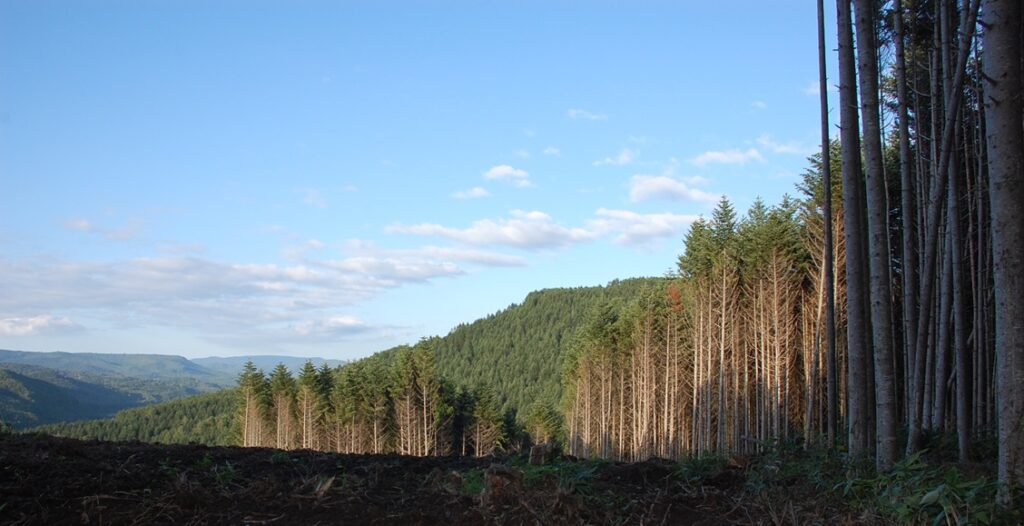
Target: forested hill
<point x="519" y="351"/>
<point x="31" y="395"/>
<point x="205" y="419"/>
<point x="150" y="366"/>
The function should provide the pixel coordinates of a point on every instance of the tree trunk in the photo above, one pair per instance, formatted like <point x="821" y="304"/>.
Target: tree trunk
<point x="1003" y="110"/>
<point x="853" y="203"/>
<point x="878" y="239"/>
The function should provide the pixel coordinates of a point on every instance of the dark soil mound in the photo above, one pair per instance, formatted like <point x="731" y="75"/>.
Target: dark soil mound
<point x="53" y="481"/>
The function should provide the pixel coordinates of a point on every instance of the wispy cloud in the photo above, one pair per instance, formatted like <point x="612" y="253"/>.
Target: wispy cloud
<point x="313" y="197"/>
<point x="535" y="230"/>
<point x="123" y="233"/>
<point x="181" y="248"/>
<point x="728" y="157"/>
<point x="814" y="89"/>
<point x="758" y="105"/>
<point x="473" y="193"/>
<point x="581" y="114"/>
<point x="551" y="150"/>
<point x="435" y="253"/>
<point x="626" y="156"/>
<point x="34" y="325"/>
<point x="522" y="153"/>
<point x="648" y="187"/>
<point x="791" y="147"/>
<point x="524" y="229"/>
<point x="504" y="172"/>
<point x="631" y="228"/>
<point x="331" y="327"/>
<point x="211" y="297"/>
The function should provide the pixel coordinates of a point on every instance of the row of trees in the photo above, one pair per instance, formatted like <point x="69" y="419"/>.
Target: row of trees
<point x="393" y="402"/>
<point x="724" y="359"/>
<point x="893" y="311"/>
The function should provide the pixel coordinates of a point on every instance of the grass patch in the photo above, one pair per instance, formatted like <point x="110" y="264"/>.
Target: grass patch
<point x="473" y="482"/>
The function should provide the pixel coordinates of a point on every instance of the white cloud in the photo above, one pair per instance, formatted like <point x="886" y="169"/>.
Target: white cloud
<point x="473" y="193"/>
<point x="200" y="294"/>
<point x="814" y="89"/>
<point x="33" y="325"/>
<point x="182" y="248"/>
<point x="758" y="105"/>
<point x="315" y="244"/>
<point x="535" y="230"/>
<point x="792" y="147"/>
<point x="124" y="233"/>
<point x="631" y="228"/>
<point x="551" y="150"/>
<point x="331" y="327"/>
<point x="577" y="113"/>
<point x="728" y="157"/>
<point x="394" y="271"/>
<point x="434" y="253"/>
<point x="313" y="197"/>
<point x="504" y="172"/>
<point x="522" y="153"/>
<point x="79" y="224"/>
<point x="527" y="230"/>
<point x="647" y="187"/>
<point x="626" y="156"/>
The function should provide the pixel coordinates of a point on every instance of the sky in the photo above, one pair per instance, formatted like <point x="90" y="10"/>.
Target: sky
<point x="333" y="179"/>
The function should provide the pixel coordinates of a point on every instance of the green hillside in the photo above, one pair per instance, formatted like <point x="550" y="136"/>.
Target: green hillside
<point x="31" y="395"/>
<point x="148" y="366"/>
<point x="519" y="351"/>
<point x="205" y="419"/>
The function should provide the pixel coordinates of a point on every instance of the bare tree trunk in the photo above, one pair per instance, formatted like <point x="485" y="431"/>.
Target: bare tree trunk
<point x="832" y="411"/>
<point x="934" y="215"/>
<point x="878" y="238"/>
<point x="853" y="204"/>
<point x="1004" y="110"/>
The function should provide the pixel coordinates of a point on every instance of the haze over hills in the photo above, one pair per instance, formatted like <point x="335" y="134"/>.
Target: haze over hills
<point x="149" y="366"/>
<point x="232" y="365"/>
<point x="518" y="352"/>
<point x="38" y="388"/>
<point x="31" y="395"/>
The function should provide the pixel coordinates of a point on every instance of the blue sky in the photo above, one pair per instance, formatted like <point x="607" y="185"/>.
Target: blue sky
<point x="331" y="179"/>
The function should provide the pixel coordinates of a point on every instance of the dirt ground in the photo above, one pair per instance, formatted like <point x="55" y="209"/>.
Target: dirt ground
<point x="54" y="481"/>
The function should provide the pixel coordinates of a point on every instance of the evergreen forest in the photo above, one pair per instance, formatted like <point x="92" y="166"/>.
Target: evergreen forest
<point x="874" y="312"/>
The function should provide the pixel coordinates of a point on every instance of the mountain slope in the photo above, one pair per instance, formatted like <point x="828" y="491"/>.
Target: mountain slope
<point x="519" y="351"/>
<point x="31" y="395"/>
<point x="206" y="419"/>
<point x="230" y="366"/>
<point x="148" y="366"/>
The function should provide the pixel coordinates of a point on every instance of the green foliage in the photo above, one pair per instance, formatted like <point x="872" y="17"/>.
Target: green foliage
<point x="520" y="351"/>
<point x="144" y="366"/>
<point x="32" y="395"/>
<point x="473" y="482"/>
<point x="205" y="419"/>
<point x="914" y="492"/>
<point x="544" y="423"/>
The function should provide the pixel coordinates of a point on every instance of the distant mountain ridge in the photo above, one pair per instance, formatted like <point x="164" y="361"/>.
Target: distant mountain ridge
<point x="31" y="395"/>
<point x="146" y="366"/>
<point x="518" y="351"/>
<point x="39" y="388"/>
<point x="232" y="365"/>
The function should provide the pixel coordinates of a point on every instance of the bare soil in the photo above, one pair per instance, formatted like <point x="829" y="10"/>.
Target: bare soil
<point x="57" y="481"/>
